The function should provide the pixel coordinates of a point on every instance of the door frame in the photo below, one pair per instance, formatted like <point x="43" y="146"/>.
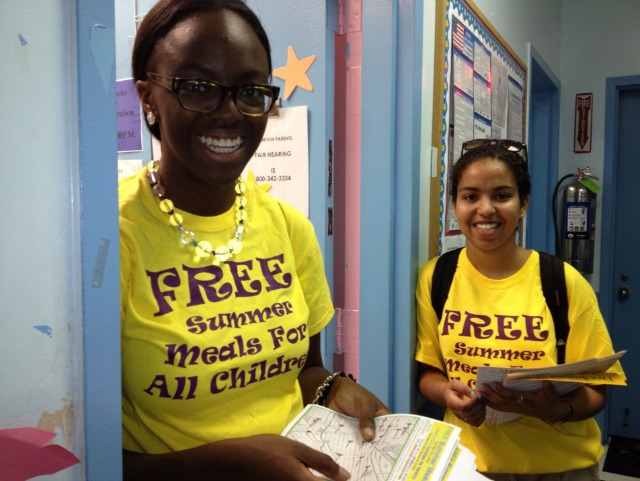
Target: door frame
<point x="614" y="86"/>
<point x="97" y="146"/>
<point x="390" y="182"/>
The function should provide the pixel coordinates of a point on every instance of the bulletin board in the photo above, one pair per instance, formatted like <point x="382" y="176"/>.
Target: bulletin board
<point x="479" y="92"/>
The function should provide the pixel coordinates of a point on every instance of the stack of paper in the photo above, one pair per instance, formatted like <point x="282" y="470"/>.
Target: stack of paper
<point x="406" y="447"/>
<point x="564" y="377"/>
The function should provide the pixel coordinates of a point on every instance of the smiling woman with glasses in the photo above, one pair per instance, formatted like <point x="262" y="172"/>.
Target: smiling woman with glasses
<point x="496" y="315"/>
<point x="216" y="275"/>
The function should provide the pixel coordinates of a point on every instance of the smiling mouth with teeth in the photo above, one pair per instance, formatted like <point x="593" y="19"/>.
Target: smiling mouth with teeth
<point x="486" y="226"/>
<point x="221" y="145"/>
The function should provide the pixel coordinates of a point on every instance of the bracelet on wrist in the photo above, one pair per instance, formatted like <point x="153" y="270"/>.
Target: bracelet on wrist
<point x="323" y="389"/>
<point x="567" y="416"/>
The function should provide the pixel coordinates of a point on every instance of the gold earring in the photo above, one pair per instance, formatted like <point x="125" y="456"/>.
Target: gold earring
<point x="151" y="119"/>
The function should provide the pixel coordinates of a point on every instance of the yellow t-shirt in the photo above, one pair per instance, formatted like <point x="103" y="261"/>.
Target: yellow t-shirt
<point x="214" y="352"/>
<point x="506" y="323"/>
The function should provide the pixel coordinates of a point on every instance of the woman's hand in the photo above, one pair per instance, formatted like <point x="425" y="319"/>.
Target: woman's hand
<point x="464" y="403"/>
<point x="543" y="403"/>
<point x="345" y="396"/>
<point x="268" y="457"/>
<point x="271" y="457"/>
<point x="350" y="398"/>
<point x="455" y="395"/>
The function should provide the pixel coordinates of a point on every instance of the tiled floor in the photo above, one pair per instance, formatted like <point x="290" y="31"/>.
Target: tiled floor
<point x="612" y="477"/>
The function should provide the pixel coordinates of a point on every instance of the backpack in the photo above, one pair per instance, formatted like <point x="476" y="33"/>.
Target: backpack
<point x="554" y="289"/>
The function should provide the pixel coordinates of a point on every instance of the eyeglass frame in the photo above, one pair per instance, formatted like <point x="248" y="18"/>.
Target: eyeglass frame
<point x="521" y="146"/>
<point x="173" y="85"/>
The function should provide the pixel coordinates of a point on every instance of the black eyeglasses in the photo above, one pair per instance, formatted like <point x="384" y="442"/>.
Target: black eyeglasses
<point x="504" y="144"/>
<point x="205" y="96"/>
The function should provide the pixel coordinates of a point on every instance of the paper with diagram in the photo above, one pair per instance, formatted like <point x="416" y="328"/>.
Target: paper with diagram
<point x="406" y="447"/>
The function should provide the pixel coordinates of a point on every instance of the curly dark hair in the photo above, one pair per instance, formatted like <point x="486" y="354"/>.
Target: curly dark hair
<point x="512" y="160"/>
<point x="165" y="14"/>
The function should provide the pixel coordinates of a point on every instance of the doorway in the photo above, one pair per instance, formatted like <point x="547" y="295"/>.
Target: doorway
<point x="542" y="146"/>
<point x="620" y="270"/>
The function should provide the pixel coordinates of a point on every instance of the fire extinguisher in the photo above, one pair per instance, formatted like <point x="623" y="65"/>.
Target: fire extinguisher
<point x="577" y="241"/>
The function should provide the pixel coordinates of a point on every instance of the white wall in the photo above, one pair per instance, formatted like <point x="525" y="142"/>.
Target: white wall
<point x="522" y="21"/>
<point x="41" y="341"/>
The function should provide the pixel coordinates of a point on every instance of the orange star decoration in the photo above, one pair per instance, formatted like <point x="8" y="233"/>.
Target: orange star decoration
<point x="294" y="73"/>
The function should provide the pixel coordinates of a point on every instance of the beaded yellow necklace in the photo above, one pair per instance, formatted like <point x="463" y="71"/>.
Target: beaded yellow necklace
<point x="203" y="249"/>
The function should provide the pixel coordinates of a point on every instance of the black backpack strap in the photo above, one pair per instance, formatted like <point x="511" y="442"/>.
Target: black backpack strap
<point x="442" y="278"/>
<point x="554" y="289"/>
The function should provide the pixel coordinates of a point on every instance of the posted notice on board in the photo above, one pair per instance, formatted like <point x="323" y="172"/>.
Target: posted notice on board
<point x="282" y="160"/>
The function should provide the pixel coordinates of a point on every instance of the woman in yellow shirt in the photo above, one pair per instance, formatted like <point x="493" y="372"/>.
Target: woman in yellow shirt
<point x="223" y="288"/>
<point x="496" y="315"/>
